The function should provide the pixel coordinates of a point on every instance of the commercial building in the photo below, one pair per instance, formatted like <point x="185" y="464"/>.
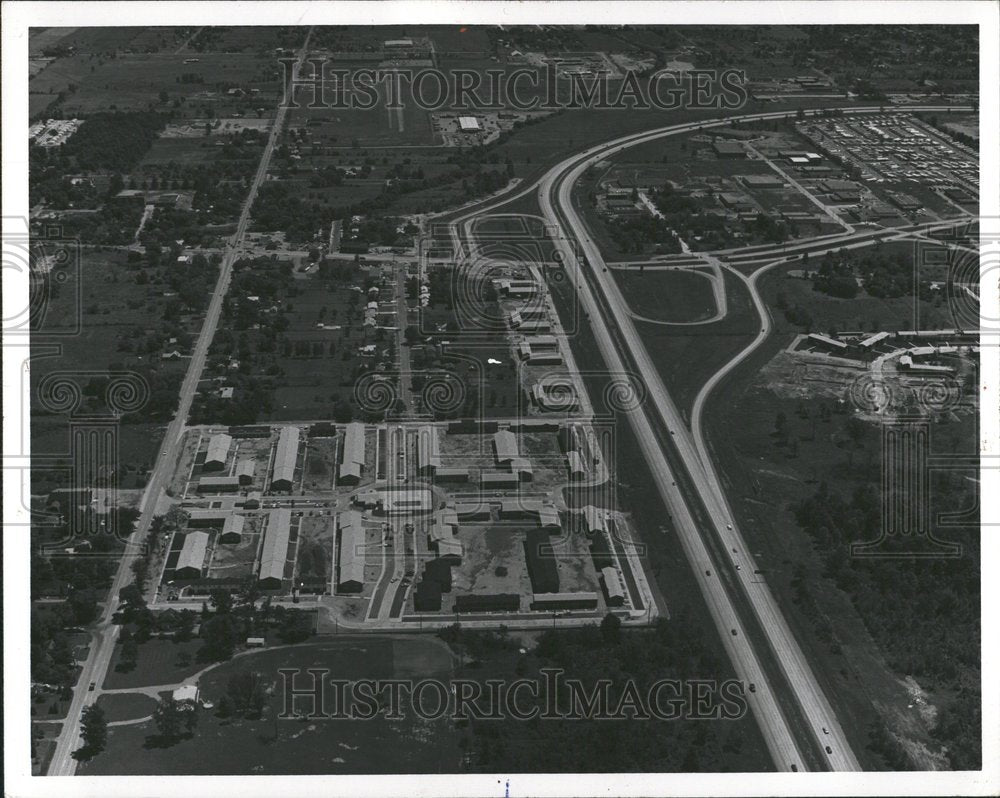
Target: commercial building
<point x="352" y="455"/>
<point x="469" y="124"/>
<point x="285" y="457"/>
<point x="191" y="560"/>
<point x="274" y="553"/>
<point x="218" y="452"/>
<point x="351" y="553"/>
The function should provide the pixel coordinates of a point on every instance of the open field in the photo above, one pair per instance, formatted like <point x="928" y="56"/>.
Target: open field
<point x="160" y="662"/>
<point x="322" y="746"/>
<point x="674" y="296"/>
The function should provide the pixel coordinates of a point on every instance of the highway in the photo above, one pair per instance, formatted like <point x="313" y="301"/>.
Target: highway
<point x="555" y="199"/>
<point x="105" y="633"/>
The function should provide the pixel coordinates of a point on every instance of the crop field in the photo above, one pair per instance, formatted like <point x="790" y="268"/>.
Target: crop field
<point x="135" y="82"/>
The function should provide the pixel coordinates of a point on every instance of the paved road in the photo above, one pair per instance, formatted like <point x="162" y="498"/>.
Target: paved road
<point x="106" y="632"/>
<point x="556" y="202"/>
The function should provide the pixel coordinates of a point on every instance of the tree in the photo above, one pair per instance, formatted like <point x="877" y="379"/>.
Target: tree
<point x="247" y="692"/>
<point x="169" y="719"/>
<point x="130" y="651"/>
<point x="611" y="628"/>
<point x="93" y="729"/>
<point x="131" y="597"/>
<point x="219" y="633"/>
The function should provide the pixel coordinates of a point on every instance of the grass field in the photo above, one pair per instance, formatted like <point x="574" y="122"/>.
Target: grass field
<point x="126" y="706"/>
<point x="160" y="662"/>
<point x="319" y="746"/>
<point x="675" y="296"/>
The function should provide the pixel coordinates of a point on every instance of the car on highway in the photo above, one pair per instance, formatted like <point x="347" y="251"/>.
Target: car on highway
<point x="92" y="686"/>
<point x="795" y="768"/>
<point x="829" y="750"/>
<point x="729" y="526"/>
<point x="708" y="573"/>
<point x="753" y="687"/>
<point x="737" y="566"/>
<point x="825" y="730"/>
<point x="734" y="632"/>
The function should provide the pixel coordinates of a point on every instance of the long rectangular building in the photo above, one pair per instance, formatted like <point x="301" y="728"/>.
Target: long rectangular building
<point x="192" y="556"/>
<point x="285" y="457"/>
<point x="352" y="455"/>
<point x="218" y="452"/>
<point x="351" y="557"/>
<point x="428" y="450"/>
<point x="275" y="550"/>
<point x="504" y="446"/>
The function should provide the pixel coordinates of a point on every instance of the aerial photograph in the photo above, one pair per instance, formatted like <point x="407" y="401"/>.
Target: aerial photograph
<point x="501" y="399"/>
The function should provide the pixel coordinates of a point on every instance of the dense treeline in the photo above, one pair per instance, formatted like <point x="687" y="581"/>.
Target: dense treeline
<point x="114" y="141"/>
<point x="922" y="611"/>
<point x="671" y="649"/>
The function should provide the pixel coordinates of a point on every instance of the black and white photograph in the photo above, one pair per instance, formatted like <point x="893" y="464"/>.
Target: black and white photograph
<point x="502" y="399"/>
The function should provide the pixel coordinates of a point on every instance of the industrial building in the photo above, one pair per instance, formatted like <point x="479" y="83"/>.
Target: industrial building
<point x="218" y="484"/>
<point x="191" y="560"/>
<point x="428" y="450"/>
<point x="728" y="149"/>
<point x="352" y="456"/>
<point x="218" y="452"/>
<point x="504" y="446"/>
<point x="497" y="480"/>
<point x="274" y="553"/>
<point x="232" y="529"/>
<point x="469" y="124"/>
<point x="473" y="511"/>
<point x="541" y="562"/>
<point x="581" y="600"/>
<point x="245" y="470"/>
<point x="351" y="553"/>
<point x="285" y="457"/>
<point x="593" y="520"/>
<point x="613" y="590"/>
<point x="450" y="548"/>
<point x="488" y="602"/>
<point x="451" y="475"/>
